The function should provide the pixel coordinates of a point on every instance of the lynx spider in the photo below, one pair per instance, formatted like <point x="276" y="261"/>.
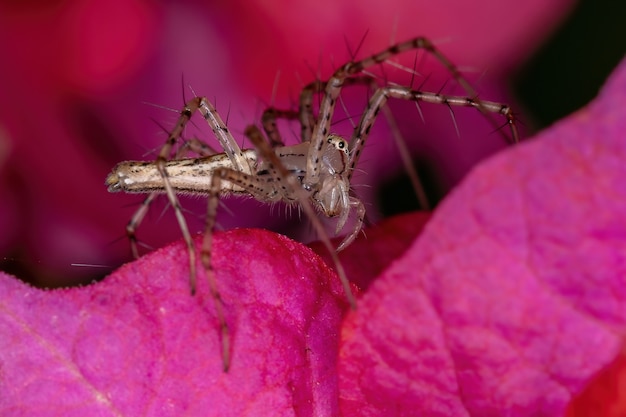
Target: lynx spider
<point x="315" y="173"/>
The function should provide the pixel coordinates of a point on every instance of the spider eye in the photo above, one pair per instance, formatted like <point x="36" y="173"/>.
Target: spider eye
<point x="341" y="144"/>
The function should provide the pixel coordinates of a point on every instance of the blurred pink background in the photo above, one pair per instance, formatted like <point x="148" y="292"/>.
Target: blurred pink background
<point x="85" y="84"/>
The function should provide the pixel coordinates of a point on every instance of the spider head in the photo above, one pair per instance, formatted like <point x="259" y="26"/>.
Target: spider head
<point x="335" y="155"/>
<point x="333" y="194"/>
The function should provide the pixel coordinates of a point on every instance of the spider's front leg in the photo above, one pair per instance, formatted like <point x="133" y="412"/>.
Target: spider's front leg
<point x="355" y="68"/>
<point x="356" y="205"/>
<point x="307" y="120"/>
<point x="381" y="96"/>
<point x="290" y="189"/>
<point x="304" y="114"/>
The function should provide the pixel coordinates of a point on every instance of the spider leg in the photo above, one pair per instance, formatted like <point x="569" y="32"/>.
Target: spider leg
<point x="307" y="118"/>
<point x="268" y="120"/>
<point x="240" y="164"/>
<point x="262" y="188"/>
<point x="307" y="122"/>
<point x="338" y="80"/>
<point x="194" y="145"/>
<point x="255" y="186"/>
<point x="357" y="205"/>
<point x="382" y="94"/>
<point x="291" y="189"/>
<point x="305" y="113"/>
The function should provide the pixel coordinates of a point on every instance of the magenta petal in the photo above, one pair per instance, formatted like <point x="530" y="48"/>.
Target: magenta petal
<point x="139" y="344"/>
<point x="514" y="294"/>
<point x="375" y="248"/>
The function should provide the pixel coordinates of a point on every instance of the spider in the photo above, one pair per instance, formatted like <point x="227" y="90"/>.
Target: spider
<point x="315" y="173"/>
